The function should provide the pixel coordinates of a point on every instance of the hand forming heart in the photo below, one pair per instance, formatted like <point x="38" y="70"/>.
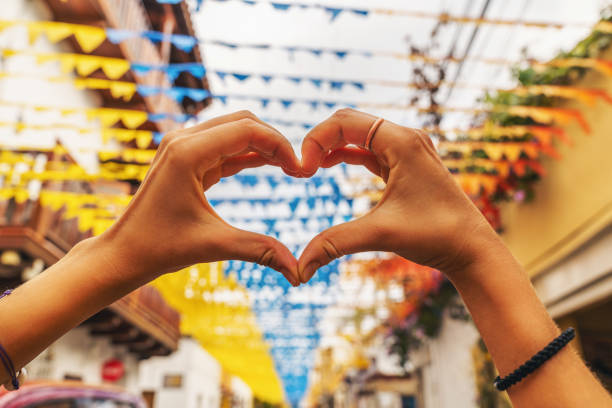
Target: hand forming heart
<point x="423" y="215"/>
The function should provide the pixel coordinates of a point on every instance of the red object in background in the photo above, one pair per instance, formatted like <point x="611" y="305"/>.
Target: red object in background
<point x="113" y="370"/>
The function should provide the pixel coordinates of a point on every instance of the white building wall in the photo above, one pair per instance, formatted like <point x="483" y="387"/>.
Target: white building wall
<point x="243" y="396"/>
<point x="79" y="354"/>
<point x="201" y="378"/>
<point x="581" y="279"/>
<point x="448" y="378"/>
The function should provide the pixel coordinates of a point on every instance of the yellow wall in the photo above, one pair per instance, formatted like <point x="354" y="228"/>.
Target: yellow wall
<point x="574" y="200"/>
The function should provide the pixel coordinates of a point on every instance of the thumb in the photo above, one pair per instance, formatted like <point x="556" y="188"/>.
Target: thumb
<point x="360" y="235"/>
<point x="263" y="250"/>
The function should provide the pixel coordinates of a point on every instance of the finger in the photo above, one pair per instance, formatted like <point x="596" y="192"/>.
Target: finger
<point x="215" y="145"/>
<point x="353" y="156"/>
<point x="263" y="250"/>
<point x="236" y="164"/>
<point x="344" y="127"/>
<point x="209" y="124"/>
<point x="360" y="235"/>
<point x="220" y="120"/>
<point x="347" y="126"/>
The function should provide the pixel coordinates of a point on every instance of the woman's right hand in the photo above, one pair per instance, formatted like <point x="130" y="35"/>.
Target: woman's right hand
<point x="423" y="215"/>
<point x="169" y="224"/>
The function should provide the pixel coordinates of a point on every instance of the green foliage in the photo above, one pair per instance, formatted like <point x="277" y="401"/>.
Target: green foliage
<point x="590" y="47"/>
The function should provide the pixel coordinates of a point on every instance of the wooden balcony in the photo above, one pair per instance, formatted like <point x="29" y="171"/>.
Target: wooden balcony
<point x="133" y="15"/>
<point x="142" y="320"/>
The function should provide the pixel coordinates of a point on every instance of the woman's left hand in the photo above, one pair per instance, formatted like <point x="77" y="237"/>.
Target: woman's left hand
<point x="170" y="225"/>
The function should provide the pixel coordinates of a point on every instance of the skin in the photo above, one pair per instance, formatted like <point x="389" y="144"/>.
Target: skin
<point x="423" y="216"/>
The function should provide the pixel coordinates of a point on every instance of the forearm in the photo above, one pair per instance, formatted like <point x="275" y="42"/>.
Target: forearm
<point x="515" y="325"/>
<point x="45" y="308"/>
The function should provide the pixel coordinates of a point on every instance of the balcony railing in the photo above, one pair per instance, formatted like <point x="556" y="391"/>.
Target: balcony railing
<point x="142" y="320"/>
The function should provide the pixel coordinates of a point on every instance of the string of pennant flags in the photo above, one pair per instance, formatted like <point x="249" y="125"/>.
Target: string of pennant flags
<point x="91" y="37"/>
<point x="335" y="11"/>
<point x="126" y="90"/>
<point x="113" y="68"/>
<point x="130" y="118"/>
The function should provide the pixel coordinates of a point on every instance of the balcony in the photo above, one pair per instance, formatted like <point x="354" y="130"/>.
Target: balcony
<point x="33" y="237"/>
<point x="132" y="15"/>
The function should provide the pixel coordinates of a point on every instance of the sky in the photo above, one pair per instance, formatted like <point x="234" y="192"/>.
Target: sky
<point x="235" y="21"/>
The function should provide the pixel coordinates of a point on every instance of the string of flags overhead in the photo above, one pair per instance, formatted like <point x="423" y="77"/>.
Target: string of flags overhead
<point x="113" y="68"/>
<point x="91" y="37"/>
<point x="335" y="11"/>
<point x="107" y="117"/>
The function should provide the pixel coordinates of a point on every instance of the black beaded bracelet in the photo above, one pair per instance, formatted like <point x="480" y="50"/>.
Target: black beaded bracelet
<point x="536" y="361"/>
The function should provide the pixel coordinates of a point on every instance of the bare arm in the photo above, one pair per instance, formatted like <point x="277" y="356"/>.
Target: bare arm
<point x="425" y="217"/>
<point x="167" y="226"/>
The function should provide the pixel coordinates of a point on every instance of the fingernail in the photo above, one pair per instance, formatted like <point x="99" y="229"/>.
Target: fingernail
<point x="310" y="270"/>
<point x="289" y="276"/>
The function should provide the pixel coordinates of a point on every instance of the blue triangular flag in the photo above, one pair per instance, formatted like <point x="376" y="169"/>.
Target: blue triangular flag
<point x="141" y="69"/>
<point x="241" y="77"/>
<point x="178" y="94"/>
<point x="221" y="98"/>
<point x="183" y="42"/>
<point x="145" y="90"/>
<point x="336" y="84"/>
<point x="316" y="82"/>
<point x="281" y="6"/>
<point x="117" y="36"/>
<point x="335" y="12"/>
<point x="363" y="13"/>
<point x="358" y="85"/>
<point x="286" y="103"/>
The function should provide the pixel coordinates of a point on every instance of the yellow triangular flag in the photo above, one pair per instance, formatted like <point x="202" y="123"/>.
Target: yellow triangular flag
<point x="67" y="62"/>
<point x="5" y="24"/>
<point x="21" y="196"/>
<point x="123" y="90"/>
<point x="108" y="117"/>
<point x="133" y="119"/>
<point x="53" y="30"/>
<point x="114" y="68"/>
<point x="86" y="64"/>
<point x="44" y="58"/>
<point x="143" y="139"/>
<point x="88" y="37"/>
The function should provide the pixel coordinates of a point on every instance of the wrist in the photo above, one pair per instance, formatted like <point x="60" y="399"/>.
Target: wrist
<point x="479" y="251"/>
<point x="120" y="264"/>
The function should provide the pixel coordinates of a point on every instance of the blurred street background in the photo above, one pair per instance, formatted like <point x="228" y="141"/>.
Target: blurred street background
<point x="514" y="94"/>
